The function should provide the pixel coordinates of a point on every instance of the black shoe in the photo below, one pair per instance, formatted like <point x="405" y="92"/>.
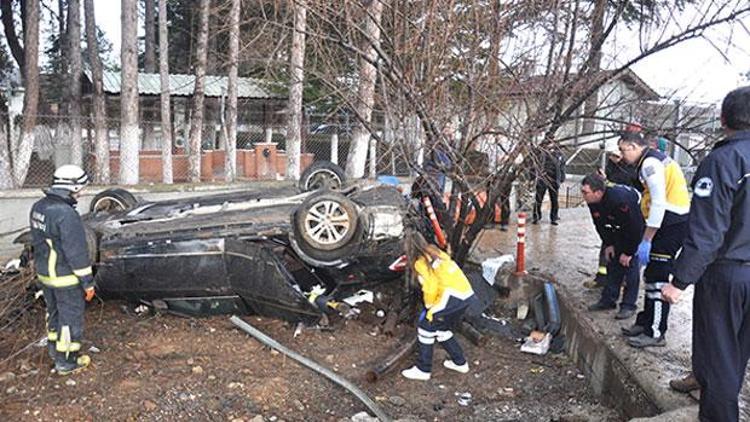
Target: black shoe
<point x="642" y="341"/>
<point x="555" y="222"/>
<point x="535" y="221"/>
<point x="632" y="331"/>
<point x="625" y="313"/>
<point x="504" y="227"/>
<point x="599" y="306"/>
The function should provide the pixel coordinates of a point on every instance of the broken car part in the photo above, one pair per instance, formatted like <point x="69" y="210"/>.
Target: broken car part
<point x="405" y="346"/>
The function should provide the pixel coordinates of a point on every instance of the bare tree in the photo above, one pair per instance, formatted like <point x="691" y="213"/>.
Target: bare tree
<point x="297" y="76"/>
<point x="166" y="109"/>
<point x="74" y="80"/>
<point x="355" y="162"/>
<point x="149" y="65"/>
<point x="25" y="144"/>
<point x="231" y="126"/>
<point x="101" y="131"/>
<point x="11" y="37"/>
<point x="129" y="155"/>
<point x="196" y="123"/>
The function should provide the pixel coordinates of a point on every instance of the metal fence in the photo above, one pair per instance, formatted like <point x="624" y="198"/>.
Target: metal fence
<point x="321" y="140"/>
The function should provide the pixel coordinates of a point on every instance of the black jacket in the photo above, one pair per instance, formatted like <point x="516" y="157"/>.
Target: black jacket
<point x="552" y="168"/>
<point x="61" y="255"/>
<point x="618" y="219"/>
<point x="719" y="221"/>
<point x="623" y="174"/>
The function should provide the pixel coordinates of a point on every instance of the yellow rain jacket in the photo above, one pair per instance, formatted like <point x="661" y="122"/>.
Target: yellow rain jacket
<point x="441" y="280"/>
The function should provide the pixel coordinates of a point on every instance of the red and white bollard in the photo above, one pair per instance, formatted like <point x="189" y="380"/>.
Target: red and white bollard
<point x="521" y="245"/>
<point x="439" y="235"/>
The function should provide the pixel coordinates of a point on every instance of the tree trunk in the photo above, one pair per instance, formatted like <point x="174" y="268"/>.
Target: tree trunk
<point x="196" y="122"/>
<point x="129" y="164"/>
<point x="25" y="145"/>
<point x="74" y="81"/>
<point x="230" y="167"/>
<point x="149" y="65"/>
<point x="297" y="70"/>
<point x="595" y="57"/>
<point x="166" y="109"/>
<point x="101" y="135"/>
<point x="11" y="37"/>
<point x="355" y="162"/>
<point x="6" y="172"/>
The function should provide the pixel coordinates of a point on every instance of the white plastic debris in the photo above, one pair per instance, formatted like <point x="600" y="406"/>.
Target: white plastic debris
<point x="537" y="347"/>
<point x="141" y="309"/>
<point x="13" y="265"/>
<point x="464" y="399"/>
<point x="359" y="297"/>
<point x="490" y="266"/>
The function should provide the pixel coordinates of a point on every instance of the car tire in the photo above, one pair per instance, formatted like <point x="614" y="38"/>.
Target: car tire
<point x="321" y="175"/>
<point x="92" y="244"/>
<point x="113" y="200"/>
<point x="326" y="227"/>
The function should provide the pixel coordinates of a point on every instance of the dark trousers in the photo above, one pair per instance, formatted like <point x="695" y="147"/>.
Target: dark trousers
<point x="542" y="187"/>
<point x="664" y="247"/>
<point x="721" y="338"/>
<point x="616" y="276"/>
<point x="601" y="272"/>
<point x="440" y="330"/>
<point x="65" y="307"/>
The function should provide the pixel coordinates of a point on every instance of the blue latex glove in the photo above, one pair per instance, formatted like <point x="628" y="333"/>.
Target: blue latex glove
<point x="423" y="315"/>
<point x="644" y="250"/>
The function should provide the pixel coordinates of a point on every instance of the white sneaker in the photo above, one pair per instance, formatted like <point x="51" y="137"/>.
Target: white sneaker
<point x="458" y="368"/>
<point x="415" y="373"/>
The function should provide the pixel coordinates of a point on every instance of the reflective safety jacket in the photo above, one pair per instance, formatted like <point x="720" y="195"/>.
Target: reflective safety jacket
<point x="61" y="255"/>
<point x="444" y="285"/>
<point x="665" y="195"/>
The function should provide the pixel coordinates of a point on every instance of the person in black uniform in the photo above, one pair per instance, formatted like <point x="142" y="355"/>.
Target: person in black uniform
<point x="63" y="266"/>
<point x="617" y="216"/>
<point x="550" y="174"/>
<point x="617" y="172"/>
<point x="716" y="258"/>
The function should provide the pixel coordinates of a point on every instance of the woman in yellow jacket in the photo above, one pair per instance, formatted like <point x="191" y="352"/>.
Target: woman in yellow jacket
<point x="445" y="290"/>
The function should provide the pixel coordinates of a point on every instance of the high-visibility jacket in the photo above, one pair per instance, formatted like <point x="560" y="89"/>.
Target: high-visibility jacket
<point x="665" y="195"/>
<point x="61" y="255"/>
<point x="441" y="281"/>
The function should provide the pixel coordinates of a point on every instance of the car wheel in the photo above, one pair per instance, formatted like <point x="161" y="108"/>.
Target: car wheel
<point x="113" y="200"/>
<point x="326" y="226"/>
<point x="321" y="175"/>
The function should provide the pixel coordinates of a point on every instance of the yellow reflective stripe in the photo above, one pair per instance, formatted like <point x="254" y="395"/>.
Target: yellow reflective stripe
<point x="64" y="281"/>
<point x="63" y="343"/>
<point x="74" y="346"/>
<point x="83" y="272"/>
<point x="52" y="336"/>
<point x="51" y="260"/>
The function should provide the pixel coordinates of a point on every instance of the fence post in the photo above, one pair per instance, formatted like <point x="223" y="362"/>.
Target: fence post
<point x="521" y="245"/>
<point x="373" y="157"/>
<point x="335" y="148"/>
<point x="269" y="135"/>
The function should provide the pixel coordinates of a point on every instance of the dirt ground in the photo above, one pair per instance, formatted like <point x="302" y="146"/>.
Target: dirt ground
<point x="166" y="367"/>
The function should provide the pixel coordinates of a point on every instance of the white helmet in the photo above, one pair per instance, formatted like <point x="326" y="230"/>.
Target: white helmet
<point x="70" y="177"/>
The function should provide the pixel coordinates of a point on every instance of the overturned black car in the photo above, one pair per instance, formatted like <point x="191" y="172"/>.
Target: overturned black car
<point x="262" y="251"/>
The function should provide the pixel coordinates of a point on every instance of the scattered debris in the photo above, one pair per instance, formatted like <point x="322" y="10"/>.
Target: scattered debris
<point x="7" y="376"/>
<point x="359" y="297"/>
<point x="197" y="370"/>
<point x="70" y="383"/>
<point x="464" y="399"/>
<point x="363" y="417"/>
<point x="94" y="349"/>
<point x="537" y="343"/>
<point x="397" y="401"/>
<point x="149" y="406"/>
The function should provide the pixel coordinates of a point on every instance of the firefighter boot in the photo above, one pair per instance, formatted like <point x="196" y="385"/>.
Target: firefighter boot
<point x="73" y="364"/>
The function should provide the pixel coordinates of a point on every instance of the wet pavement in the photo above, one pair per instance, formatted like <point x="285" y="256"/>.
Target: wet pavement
<point x="569" y="252"/>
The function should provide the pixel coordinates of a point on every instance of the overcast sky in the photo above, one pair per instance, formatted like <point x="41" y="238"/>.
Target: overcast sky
<point x="694" y="70"/>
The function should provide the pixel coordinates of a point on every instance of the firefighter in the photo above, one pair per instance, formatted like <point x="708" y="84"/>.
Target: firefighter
<point x="63" y="267"/>
<point x="716" y="258"/>
<point x="446" y="292"/>
<point x="665" y="207"/>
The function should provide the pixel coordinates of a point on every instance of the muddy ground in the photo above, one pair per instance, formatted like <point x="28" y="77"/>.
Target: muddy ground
<point x="166" y="367"/>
